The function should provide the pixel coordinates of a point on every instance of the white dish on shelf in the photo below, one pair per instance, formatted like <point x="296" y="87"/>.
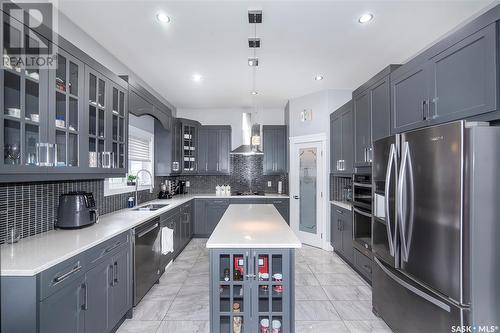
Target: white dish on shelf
<point x="35" y="117"/>
<point x="60" y="123"/>
<point x="14" y="112"/>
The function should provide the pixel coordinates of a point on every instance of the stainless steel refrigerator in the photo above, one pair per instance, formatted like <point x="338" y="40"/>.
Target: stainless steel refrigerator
<point x="436" y="228"/>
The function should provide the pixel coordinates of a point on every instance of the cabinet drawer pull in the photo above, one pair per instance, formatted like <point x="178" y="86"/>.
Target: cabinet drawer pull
<point x="112" y="247"/>
<point x="66" y="275"/>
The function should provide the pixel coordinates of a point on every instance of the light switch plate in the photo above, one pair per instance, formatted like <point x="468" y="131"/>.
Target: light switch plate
<point x="269" y="184"/>
<point x="188" y="184"/>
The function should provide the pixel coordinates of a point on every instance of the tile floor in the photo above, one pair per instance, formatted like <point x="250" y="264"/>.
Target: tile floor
<point x="330" y="297"/>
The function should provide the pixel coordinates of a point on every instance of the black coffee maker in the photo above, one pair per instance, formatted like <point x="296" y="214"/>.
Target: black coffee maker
<point x="181" y="187"/>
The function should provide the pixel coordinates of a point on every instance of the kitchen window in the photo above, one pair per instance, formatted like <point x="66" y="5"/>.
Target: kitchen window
<point x="140" y="156"/>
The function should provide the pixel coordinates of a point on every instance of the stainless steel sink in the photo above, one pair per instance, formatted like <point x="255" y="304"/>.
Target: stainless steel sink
<point x="150" y="207"/>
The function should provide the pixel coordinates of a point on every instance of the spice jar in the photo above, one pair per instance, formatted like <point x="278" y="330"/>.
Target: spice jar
<point x="276" y="326"/>
<point x="264" y="325"/>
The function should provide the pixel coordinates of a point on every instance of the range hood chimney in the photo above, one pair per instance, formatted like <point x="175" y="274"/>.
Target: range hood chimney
<point x="250" y="137"/>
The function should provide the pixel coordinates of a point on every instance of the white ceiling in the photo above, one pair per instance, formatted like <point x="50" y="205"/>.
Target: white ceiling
<point x="299" y="40"/>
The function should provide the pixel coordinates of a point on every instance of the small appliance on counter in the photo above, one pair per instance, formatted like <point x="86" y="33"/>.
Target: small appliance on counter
<point x="76" y="210"/>
<point x="181" y="187"/>
<point x="164" y="193"/>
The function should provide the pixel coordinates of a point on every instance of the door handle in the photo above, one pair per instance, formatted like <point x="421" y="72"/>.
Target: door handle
<point x="111" y="269"/>
<point x="424" y="117"/>
<point x="85" y="305"/>
<point x="63" y="277"/>
<point x="391" y="161"/>
<point x="401" y="217"/>
<point x="356" y="210"/>
<point x="296" y="197"/>
<point x="148" y="230"/>
<point x="413" y="289"/>
<point x="115" y="273"/>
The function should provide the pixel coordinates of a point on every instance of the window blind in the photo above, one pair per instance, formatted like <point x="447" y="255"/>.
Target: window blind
<point x="139" y="149"/>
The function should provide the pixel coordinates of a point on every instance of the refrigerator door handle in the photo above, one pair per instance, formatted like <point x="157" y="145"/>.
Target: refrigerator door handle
<point x="392" y="157"/>
<point x="399" y="203"/>
<point x="413" y="289"/>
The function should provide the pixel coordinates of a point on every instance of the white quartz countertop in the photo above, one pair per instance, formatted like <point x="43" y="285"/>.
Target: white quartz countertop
<point x="253" y="226"/>
<point x="343" y="204"/>
<point x="35" y="254"/>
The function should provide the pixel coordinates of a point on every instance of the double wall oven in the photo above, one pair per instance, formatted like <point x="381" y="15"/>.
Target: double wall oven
<point x="362" y="212"/>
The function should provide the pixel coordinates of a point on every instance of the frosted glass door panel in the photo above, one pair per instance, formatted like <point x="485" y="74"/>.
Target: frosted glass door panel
<point x="307" y="187"/>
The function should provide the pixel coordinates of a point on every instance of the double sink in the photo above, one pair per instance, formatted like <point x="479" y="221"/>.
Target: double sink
<point x="150" y="207"/>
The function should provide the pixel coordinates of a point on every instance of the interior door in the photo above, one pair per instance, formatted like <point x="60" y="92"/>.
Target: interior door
<point x="430" y="206"/>
<point x="307" y="190"/>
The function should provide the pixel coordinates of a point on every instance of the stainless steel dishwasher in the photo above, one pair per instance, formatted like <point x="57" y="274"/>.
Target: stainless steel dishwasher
<point x="147" y="253"/>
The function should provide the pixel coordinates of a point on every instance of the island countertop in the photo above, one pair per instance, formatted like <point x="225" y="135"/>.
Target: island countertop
<point x="253" y="226"/>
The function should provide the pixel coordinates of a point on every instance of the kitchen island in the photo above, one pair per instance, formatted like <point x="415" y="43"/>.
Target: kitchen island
<point x="252" y="259"/>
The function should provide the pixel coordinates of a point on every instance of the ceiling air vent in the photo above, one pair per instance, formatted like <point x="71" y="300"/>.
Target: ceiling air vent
<point x="255" y="16"/>
<point x="254" y="42"/>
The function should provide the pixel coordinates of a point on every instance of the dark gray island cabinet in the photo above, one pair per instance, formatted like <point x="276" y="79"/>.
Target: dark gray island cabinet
<point x="252" y="260"/>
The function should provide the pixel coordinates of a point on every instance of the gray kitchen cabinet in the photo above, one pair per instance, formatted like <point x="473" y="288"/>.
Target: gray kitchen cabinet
<point x="97" y="291"/>
<point x="372" y="115"/>
<point x="214" y="211"/>
<point x="176" y="146"/>
<point x="186" y="223"/>
<point x="163" y="150"/>
<point x="214" y="145"/>
<point x="341" y="229"/>
<point x="275" y="149"/>
<point x="409" y="98"/>
<point x="90" y="292"/>
<point x="258" y="298"/>
<point x="341" y="136"/>
<point x="63" y="311"/>
<point x="174" y="222"/>
<point x="64" y="123"/>
<point x="189" y="146"/>
<point x="199" y="213"/>
<point x="282" y="204"/>
<point x="362" y="129"/>
<point x="363" y="264"/>
<point x="283" y="207"/>
<point x="381" y="109"/>
<point x="207" y="214"/>
<point x="464" y="78"/>
<point x="121" y="294"/>
<point x="457" y="78"/>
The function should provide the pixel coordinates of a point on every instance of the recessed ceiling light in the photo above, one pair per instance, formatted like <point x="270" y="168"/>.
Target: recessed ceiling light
<point x="254" y="92"/>
<point x="365" y="18"/>
<point x="318" y="77"/>
<point x="197" y="77"/>
<point x="162" y="18"/>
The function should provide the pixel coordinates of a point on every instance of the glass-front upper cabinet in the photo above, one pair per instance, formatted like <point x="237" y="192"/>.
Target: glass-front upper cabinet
<point x="107" y="119"/>
<point x="66" y="103"/>
<point x="23" y="105"/>
<point x="119" y="123"/>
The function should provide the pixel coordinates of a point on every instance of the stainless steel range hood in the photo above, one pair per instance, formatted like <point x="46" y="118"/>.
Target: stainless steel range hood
<point x="250" y="137"/>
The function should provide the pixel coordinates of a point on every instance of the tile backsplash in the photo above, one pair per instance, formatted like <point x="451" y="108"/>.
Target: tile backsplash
<point x="31" y="208"/>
